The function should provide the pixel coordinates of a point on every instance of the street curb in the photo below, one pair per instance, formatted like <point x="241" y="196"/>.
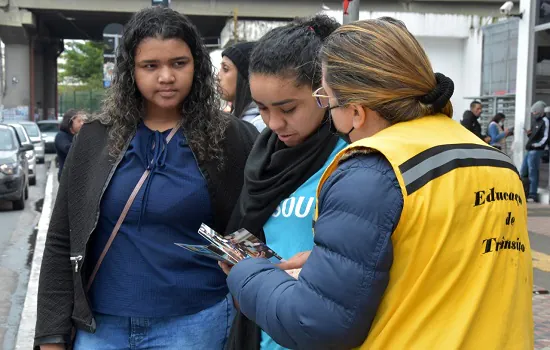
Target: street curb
<point x="25" y="334"/>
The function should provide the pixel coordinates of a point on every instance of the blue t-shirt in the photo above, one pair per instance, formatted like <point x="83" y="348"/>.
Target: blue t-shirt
<point x="289" y="230"/>
<point x="145" y="274"/>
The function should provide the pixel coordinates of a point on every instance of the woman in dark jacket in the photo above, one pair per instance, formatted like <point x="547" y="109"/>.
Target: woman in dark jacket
<point x="234" y="86"/>
<point x="162" y="141"/>
<point x="70" y="126"/>
<point x="288" y="159"/>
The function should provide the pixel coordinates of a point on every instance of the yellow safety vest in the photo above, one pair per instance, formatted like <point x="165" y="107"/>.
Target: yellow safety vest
<point x="462" y="272"/>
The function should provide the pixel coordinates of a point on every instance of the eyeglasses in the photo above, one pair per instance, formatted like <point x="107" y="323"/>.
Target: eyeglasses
<point x="321" y="97"/>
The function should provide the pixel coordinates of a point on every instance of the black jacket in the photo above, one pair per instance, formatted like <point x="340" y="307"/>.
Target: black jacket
<point x="62" y="301"/>
<point x="539" y="134"/>
<point x="469" y="121"/>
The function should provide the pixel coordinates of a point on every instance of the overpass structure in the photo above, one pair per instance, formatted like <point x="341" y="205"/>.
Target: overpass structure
<point x="33" y="32"/>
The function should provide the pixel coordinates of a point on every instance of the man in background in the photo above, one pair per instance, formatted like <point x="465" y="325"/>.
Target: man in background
<point x="470" y="120"/>
<point x="537" y="141"/>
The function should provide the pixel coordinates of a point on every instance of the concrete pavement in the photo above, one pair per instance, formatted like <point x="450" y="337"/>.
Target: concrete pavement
<point x="25" y="333"/>
<point x="539" y="234"/>
<point x="541" y="316"/>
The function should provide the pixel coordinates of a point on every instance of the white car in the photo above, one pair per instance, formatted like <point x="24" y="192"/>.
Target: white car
<point x="31" y="157"/>
<point x="49" y="128"/>
<point x="36" y="137"/>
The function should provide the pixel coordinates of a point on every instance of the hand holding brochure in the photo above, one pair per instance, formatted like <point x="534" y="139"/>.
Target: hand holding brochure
<point x="233" y="248"/>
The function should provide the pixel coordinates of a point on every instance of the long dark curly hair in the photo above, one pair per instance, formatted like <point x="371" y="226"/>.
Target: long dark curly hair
<point x="123" y="107"/>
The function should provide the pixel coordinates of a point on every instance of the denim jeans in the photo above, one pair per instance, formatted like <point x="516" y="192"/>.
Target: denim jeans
<point x="207" y="330"/>
<point x="530" y="168"/>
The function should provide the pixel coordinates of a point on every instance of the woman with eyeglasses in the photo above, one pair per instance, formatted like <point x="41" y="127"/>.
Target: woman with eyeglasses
<point x="420" y="230"/>
<point x="281" y="175"/>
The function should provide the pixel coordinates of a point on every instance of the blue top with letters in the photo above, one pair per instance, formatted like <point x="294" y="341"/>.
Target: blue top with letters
<point x="289" y="230"/>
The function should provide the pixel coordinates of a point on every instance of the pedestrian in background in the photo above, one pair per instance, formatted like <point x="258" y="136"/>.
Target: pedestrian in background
<point x="158" y="161"/>
<point x="546" y="153"/>
<point x="287" y="161"/>
<point x="536" y="143"/>
<point x="498" y="132"/>
<point x="470" y="120"/>
<point x="421" y="235"/>
<point x="69" y="127"/>
<point x="234" y="85"/>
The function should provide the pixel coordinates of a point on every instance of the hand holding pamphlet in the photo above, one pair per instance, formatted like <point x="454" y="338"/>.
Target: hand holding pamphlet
<point x="232" y="248"/>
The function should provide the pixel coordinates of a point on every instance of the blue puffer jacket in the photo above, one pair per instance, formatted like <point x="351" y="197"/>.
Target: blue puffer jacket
<point x="334" y="301"/>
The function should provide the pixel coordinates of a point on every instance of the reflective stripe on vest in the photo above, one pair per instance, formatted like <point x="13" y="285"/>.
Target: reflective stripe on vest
<point x="440" y="160"/>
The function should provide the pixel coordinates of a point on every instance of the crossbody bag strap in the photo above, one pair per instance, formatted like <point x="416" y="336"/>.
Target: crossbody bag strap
<point x="124" y="213"/>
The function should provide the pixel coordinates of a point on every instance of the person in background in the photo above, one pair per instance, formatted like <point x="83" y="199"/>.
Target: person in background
<point x="470" y="120"/>
<point x="420" y="230"/>
<point x="234" y="85"/>
<point x="536" y="143"/>
<point x="546" y="155"/>
<point x="281" y="175"/>
<point x="162" y="152"/>
<point x="498" y="133"/>
<point x="70" y="126"/>
<point x="37" y="111"/>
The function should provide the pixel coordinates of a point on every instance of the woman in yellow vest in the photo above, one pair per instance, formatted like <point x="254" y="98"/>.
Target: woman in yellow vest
<point x="421" y="235"/>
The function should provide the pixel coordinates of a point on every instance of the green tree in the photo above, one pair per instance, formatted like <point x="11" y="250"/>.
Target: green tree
<point x="82" y="63"/>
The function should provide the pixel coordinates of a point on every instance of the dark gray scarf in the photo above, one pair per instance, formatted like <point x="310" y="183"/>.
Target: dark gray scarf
<point x="274" y="171"/>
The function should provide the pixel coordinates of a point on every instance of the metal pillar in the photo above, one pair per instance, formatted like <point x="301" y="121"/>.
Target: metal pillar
<point x="353" y="11"/>
<point x="112" y="34"/>
<point x="2" y="80"/>
<point x="524" y="77"/>
<point x="235" y="25"/>
<point x="18" y="68"/>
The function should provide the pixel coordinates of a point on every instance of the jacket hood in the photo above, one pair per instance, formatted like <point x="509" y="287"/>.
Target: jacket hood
<point x="251" y="110"/>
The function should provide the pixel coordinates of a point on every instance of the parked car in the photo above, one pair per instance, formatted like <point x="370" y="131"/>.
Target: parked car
<point x="36" y="137"/>
<point x="31" y="157"/>
<point x="14" y="168"/>
<point x="49" y="128"/>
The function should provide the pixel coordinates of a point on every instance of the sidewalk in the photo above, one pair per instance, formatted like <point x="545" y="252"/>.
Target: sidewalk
<point x="541" y="316"/>
<point x="544" y="175"/>
<point x="539" y="223"/>
<point x="544" y="182"/>
<point x="539" y="218"/>
<point x="25" y="333"/>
